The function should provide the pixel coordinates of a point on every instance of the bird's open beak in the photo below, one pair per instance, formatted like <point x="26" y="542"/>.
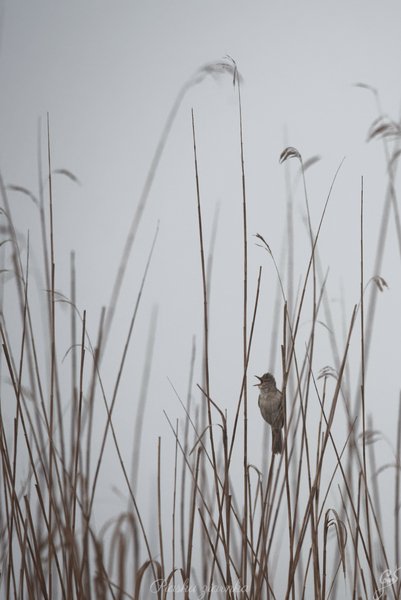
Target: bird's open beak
<point x="260" y="381"/>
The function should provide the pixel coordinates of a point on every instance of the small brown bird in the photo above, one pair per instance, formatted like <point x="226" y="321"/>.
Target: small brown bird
<point x="272" y="409"/>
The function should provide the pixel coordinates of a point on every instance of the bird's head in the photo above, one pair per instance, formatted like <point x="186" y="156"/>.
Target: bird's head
<point x="266" y="379"/>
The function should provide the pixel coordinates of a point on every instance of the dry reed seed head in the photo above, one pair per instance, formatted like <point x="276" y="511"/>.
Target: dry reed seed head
<point x="235" y="72"/>
<point x="265" y="244"/>
<point x="327" y="372"/>
<point x="340" y="531"/>
<point x="24" y="191"/>
<point x="68" y="174"/>
<point x="289" y="152"/>
<point x="370" y="436"/>
<point x="383" y="127"/>
<point x="221" y="68"/>
<point x="366" y="86"/>
<point x="5" y="242"/>
<point x="380" y="282"/>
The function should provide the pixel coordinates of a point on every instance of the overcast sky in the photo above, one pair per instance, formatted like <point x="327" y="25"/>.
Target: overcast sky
<point x="108" y="73"/>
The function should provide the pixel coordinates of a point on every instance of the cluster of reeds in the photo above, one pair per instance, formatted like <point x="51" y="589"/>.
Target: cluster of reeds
<point x="273" y="531"/>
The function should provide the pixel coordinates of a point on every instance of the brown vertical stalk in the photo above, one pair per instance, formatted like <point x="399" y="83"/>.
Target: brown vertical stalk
<point x="185" y="450"/>
<point x="375" y="499"/>
<point x="74" y="410"/>
<point x="207" y="567"/>
<point x="76" y="453"/>
<point x="45" y="247"/>
<point x="244" y="337"/>
<point x="159" y="506"/>
<point x="52" y="365"/>
<point x="362" y="314"/>
<point x="86" y="561"/>
<point x="356" y="561"/>
<point x="314" y="535"/>
<point x="397" y="494"/>
<point x="40" y="576"/>
<point x="73" y="334"/>
<point x="173" y="517"/>
<point x="191" y="527"/>
<point x="143" y="392"/>
<point x="77" y="426"/>
<point x="205" y="318"/>
<point x="16" y="429"/>
<point x="286" y="427"/>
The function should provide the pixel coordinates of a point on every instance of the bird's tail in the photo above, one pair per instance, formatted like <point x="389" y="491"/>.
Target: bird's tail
<point x="277" y="441"/>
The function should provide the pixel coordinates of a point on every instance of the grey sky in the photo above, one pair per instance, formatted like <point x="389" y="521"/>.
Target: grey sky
<point x="108" y="73"/>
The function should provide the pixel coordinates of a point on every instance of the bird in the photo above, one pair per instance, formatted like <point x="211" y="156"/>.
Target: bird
<point x="272" y="408"/>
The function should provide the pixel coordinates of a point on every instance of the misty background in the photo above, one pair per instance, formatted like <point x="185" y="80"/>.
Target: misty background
<point x="107" y="74"/>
